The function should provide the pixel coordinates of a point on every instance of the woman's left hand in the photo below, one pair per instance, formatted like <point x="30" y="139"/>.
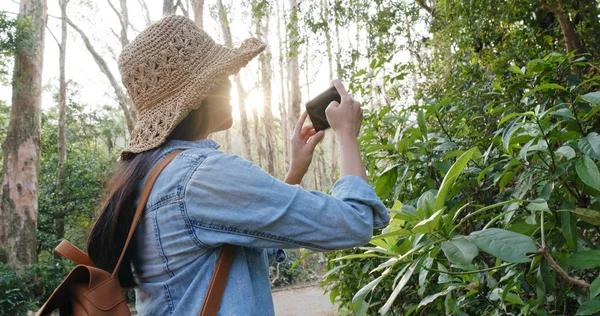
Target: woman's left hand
<point x="303" y="142"/>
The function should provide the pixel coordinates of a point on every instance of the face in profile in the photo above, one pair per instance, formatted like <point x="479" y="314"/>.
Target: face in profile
<point x="218" y="108"/>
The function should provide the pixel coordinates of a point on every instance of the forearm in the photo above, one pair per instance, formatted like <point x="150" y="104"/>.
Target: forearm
<point x="351" y="162"/>
<point x="293" y="177"/>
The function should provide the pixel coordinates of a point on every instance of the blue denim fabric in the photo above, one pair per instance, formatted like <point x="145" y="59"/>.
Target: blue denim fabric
<point x="205" y="198"/>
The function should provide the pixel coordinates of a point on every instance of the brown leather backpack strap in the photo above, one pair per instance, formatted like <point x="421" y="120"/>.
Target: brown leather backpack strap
<point x="212" y="300"/>
<point x="71" y="252"/>
<point x="142" y="202"/>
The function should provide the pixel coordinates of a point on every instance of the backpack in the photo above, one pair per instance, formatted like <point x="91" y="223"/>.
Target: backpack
<point x="88" y="290"/>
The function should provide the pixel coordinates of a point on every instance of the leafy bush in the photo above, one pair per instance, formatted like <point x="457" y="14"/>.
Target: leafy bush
<point x="495" y="204"/>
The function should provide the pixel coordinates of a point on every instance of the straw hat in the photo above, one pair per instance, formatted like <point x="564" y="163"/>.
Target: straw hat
<point x="168" y="69"/>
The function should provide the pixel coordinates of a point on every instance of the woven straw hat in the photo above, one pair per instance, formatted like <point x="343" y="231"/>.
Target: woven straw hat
<point x="168" y="69"/>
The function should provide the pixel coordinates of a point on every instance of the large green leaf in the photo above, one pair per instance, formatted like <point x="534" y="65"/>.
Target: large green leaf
<point x="385" y="183"/>
<point x="511" y="115"/>
<point x="459" y="250"/>
<point x="588" y="172"/>
<point x="506" y="245"/>
<point x="590" y="145"/>
<point x="403" y="281"/>
<point x="429" y="224"/>
<point x="590" y="307"/>
<point x="508" y="133"/>
<point x="546" y="86"/>
<point x="451" y="177"/>
<point x="587" y="215"/>
<point x="360" y="295"/>
<point x="566" y="151"/>
<point x="592" y="97"/>
<point x="422" y="125"/>
<point x="569" y="229"/>
<point x="588" y="259"/>
<point x="595" y="288"/>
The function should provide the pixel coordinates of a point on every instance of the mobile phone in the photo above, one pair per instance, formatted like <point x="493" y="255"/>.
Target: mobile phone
<point x="316" y="108"/>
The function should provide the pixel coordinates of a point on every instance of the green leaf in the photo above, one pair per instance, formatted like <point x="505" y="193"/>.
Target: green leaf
<point x="585" y="259"/>
<point x="511" y="115"/>
<point x="459" y="250"/>
<point x="515" y="69"/>
<point x="429" y="224"/>
<point x="546" y="86"/>
<point x="587" y="215"/>
<point x="422" y="125"/>
<point x="451" y="177"/>
<point x="588" y="172"/>
<point x="397" y="232"/>
<point x="403" y="281"/>
<point x="590" y="145"/>
<point x="385" y="183"/>
<point x="360" y="295"/>
<point x="429" y="299"/>
<point x="566" y="152"/>
<point x="592" y="97"/>
<point x="590" y="307"/>
<point x="508" y="133"/>
<point x="569" y="229"/>
<point x="359" y="255"/>
<point x="539" y="205"/>
<point x="503" y="244"/>
<point x="595" y="288"/>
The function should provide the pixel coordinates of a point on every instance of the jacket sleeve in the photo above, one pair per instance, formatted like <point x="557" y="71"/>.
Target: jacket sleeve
<point x="230" y="200"/>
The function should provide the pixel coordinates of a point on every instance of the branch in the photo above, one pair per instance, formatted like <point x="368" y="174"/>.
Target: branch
<point x="550" y="8"/>
<point x="542" y="251"/>
<point x="425" y="6"/>
<point x="56" y="39"/>
<point x="123" y="99"/>
<point x="146" y="14"/>
<point x="185" y="12"/>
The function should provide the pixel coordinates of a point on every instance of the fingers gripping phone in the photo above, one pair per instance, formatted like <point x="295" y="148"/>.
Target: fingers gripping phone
<point x="316" y="108"/>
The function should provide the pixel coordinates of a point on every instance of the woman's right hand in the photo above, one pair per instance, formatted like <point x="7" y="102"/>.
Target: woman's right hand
<point x="345" y="117"/>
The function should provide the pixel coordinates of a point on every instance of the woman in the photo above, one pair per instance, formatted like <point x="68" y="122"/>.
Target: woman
<point x="177" y="77"/>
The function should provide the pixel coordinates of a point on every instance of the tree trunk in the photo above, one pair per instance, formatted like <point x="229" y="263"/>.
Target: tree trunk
<point x="246" y="144"/>
<point x="21" y="147"/>
<point x="293" y="68"/>
<point x="268" y="122"/>
<point x="123" y="99"/>
<point x="62" y="94"/>
<point x="59" y="221"/>
<point x="328" y="43"/>
<point x="169" y="7"/>
<point x="572" y="41"/>
<point x="146" y="13"/>
<point x="282" y="103"/>
<point x="198" y="7"/>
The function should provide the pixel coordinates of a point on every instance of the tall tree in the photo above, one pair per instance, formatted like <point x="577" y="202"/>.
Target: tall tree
<point x="169" y="7"/>
<point x="293" y="68"/>
<point x="282" y="102"/>
<point x="62" y="114"/>
<point x="224" y="23"/>
<point x="328" y="45"/>
<point x="21" y="148"/>
<point x="265" y="80"/>
<point x="198" y="7"/>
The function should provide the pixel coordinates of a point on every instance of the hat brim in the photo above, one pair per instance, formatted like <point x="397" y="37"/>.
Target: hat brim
<point x="155" y="124"/>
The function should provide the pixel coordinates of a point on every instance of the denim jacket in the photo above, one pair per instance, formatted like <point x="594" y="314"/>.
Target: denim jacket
<point x="205" y="198"/>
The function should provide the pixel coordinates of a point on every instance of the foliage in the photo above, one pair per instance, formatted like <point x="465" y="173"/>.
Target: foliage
<point x="14" y="34"/>
<point x="25" y="290"/>
<point x="490" y="170"/>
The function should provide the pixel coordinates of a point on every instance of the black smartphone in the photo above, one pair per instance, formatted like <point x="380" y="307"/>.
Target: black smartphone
<point x="316" y="108"/>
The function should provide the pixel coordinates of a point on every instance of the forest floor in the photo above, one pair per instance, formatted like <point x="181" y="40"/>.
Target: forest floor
<point x="307" y="300"/>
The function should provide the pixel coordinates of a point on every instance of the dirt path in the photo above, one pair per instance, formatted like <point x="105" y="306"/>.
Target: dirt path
<point x="303" y="301"/>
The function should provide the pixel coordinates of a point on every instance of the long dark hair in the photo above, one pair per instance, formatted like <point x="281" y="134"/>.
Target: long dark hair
<point x="109" y="233"/>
